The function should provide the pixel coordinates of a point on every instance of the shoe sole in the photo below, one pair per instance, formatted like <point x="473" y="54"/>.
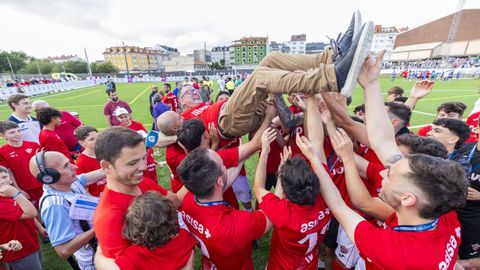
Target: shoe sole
<point x="363" y="47"/>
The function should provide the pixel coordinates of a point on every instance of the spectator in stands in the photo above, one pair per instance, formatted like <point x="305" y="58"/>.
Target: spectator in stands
<point x="29" y="126"/>
<point x="111" y="105"/>
<point x="49" y="140"/>
<point x="68" y="221"/>
<point x="394" y="92"/>
<point x="66" y="128"/>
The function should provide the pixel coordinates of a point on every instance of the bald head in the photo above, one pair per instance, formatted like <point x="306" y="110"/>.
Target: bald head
<point x="169" y="122"/>
<point x="54" y="160"/>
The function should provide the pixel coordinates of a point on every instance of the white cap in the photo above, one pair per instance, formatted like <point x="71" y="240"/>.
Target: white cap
<point x="119" y="111"/>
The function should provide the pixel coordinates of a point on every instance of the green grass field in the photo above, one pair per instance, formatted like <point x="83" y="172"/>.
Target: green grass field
<point x="88" y="102"/>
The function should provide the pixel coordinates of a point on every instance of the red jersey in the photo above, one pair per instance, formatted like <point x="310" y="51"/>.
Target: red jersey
<point x="472" y="122"/>
<point x="196" y="111"/>
<point x="12" y="228"/>
<point x="390" y="249"/>
<point x="171" y="100"/>
<point x="171" y="256"/>
<point x="224" y="234"/>
<point x="292" y="139"/>
<point x="151" y="171"/>
<point x="17" y="159"/>
<point x="374" y="180"/>
<point x="50" y="141"/>
<point x="299" y="230"/>
<point x="87" y="164"/>
<point x="67" y="128"/>
<point x="424" y="130"/>
<point x="336" y="170"/>
<point x="109" y="217"/>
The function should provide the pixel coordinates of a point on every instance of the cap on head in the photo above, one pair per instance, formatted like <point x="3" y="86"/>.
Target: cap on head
<point x="119" y="111"/>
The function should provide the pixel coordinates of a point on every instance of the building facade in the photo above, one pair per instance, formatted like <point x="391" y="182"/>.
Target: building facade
<point x="297" y="44"/>
<point x="314" y="47"/>
<point x="138" y="59"/>
<point x="279" y="47"/>
<point x="64" y="58"/>
<point x="221" y="53"/>
<point x="384" y="39"/>
<point x="249" y="51"/>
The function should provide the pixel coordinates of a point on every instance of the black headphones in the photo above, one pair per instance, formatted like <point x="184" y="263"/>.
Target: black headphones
<point x="46" y="175"/>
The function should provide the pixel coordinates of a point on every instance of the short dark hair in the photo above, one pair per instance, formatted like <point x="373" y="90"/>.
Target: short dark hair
<point x="442" y="181"/>
<point x="455" y="107"/>
<point x="396" y="90"/>
<point x="45" y="115"/>
<point x="457" y="127"/>
<point x="359" y="108"/>
<point x="199" y="173"/>
<point x="168" y="86"/>
<point x="300" y="184"/>
<point x="15" y="99"/>
<point x="400" y="99"/>
<point x="7" y="125"/>
<point x="82" y="132"/>
<point x="150" y="221"/>
<point x="422" y="145"/>
<point x="400" y="110"/>
<point x="111" y="90"/>
<point x="111" y="142"/>
<point x="222" y="93"/>
<point x="190" y="134"/>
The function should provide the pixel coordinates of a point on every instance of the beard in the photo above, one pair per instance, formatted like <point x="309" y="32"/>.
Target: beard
<point x="115" y="99"/>
<point x="389" y="199"/>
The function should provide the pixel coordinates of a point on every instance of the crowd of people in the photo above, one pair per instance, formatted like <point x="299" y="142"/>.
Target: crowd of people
<point x="360" y="190"/>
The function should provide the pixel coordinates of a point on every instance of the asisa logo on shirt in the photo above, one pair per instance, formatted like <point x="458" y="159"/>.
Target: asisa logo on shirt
<point x="29" y="150"/>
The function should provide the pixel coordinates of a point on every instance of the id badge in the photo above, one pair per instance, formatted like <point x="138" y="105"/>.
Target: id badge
<point x="83" y="207"/>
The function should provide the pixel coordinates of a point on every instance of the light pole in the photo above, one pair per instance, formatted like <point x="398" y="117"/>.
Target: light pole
<point x="125" y="55"/>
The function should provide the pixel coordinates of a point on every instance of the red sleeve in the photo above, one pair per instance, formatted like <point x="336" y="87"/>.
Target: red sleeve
<point x="250" y="225"/>
<point x="229" y="156"/>
<point x="106" y="109"/>
<point x="373" y="173"/>
<point x="147" y="185"/>
<point x="73" y="120"/>
<point x="424" y="130"/>
<point x="275" y="209"/>
<point x="381" y="246"/>
<point x="9" y="210"/>
<point x="128" y="107"/>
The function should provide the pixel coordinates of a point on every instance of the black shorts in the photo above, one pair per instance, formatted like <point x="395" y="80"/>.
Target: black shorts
<point x="470" y="246"/>
<point x="331" y="236"/>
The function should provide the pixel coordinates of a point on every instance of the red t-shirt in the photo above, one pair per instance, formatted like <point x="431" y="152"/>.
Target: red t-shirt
<point x="424" y="130"/>
<point x="472" y="122"/>
<point x="389" y="249"/>
<point x="50" y="141"/>
<point x="299" y="230"/>
<point x="87" y="164"/>
<point x="173" y="255"/>
<point x="110" y="107"/>
<point x="109" y="217"/>
<point x="66" y="129"/>
<point x="12" y="228"/>
<point x="224" y="234"/>
<point x="292" y="139"/>
<point x="171" y="100"/>
<point x="196" y="111"/>
<point x="151" y="171"/>
<point x="274" y="154"/>
<point x="374" y="178"/>
<point x="17" y="159"/>
<point x="336" y="170"/>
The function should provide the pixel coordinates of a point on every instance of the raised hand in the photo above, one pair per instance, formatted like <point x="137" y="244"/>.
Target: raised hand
<point x="371" y="70"/>
<point x="268" y="136"/>
<point x="421" y="88"/>
<point x="285" y="155"/>
<point x="305" y="146"/>
<point x="342" y="144"/>
<point x="212" y="132"/>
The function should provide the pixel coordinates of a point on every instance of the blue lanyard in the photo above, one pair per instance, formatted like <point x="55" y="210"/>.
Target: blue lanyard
<point x="210" y="203"/>
<point x="330" y="162"/>
<point x="470" y="155"/>
<point x="451" y="155"/>
<point x="416" y="228"/>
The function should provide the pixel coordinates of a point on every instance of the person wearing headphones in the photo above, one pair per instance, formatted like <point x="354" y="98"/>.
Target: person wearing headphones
<point x="66" y="207"/>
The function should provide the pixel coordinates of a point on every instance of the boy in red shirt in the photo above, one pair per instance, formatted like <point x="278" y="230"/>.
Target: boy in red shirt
<point x="124" y="119"/>
<point x="49" y="140"/>
<point x="17" y="216"/>
<point x="122" y="156"/>
<point x="15" y="155"/>
<point x="87" y="161"/>
<point x="157" y="241"/>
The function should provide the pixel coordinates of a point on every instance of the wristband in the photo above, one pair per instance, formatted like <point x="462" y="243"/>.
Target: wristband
<point x="16" y="195"/>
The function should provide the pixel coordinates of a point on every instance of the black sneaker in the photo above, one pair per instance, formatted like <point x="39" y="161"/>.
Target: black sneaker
<point x="343" y="42"/>
<point x="348" y="66"/>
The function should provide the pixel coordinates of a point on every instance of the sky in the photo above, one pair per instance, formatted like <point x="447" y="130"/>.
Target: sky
<point x="64" y="27"/>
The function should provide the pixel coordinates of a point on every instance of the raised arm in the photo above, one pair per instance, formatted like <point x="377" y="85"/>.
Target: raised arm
<point x="259" y="190"/>
<point x="380" y="130"/>
<point x="94" y="176"/>
<point x="314" y="126"/>
<point x="357" y="192"/>
<point x="419" y="90"/>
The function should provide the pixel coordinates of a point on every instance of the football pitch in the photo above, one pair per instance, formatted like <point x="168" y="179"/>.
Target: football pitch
<point x="88" y="102"/>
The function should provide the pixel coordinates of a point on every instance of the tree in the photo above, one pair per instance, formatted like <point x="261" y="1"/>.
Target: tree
<point x="106" y="67"/>
<point x="18" y="59"/>
<point x="31" y="68"/>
